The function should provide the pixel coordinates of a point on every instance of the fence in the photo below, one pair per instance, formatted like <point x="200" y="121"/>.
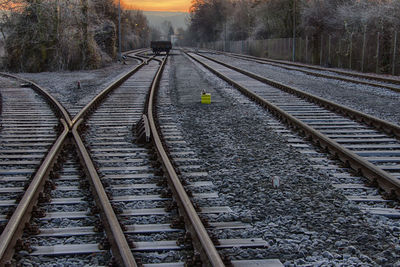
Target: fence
<point x="367" y="52"/>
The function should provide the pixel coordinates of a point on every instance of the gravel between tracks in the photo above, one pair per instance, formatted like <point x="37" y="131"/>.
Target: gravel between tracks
<point x="64" y="85"/>
<point x="378" y="102"/>
<point x="306" y="222"/>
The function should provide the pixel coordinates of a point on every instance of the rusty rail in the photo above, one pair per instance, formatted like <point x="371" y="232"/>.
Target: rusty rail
<point x="321" y="75"/>
<point x="387" y="127"/>
<point x="116" y="237"/>
<point x="386" y="181"/>
<point x="120" y="247"/>
<point x="59" y="109"/>
<point x="22" y="214"/>
<point x="342" y="72"/>
<point x="118" y="81"/>
<point x="202" y="241"/>
<point x="15" y="226"/>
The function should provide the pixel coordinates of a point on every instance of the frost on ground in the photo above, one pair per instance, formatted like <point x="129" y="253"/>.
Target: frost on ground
<point x="379" y="102"/>
<point x="306" y="222"/>
<point x="64" y="85"/>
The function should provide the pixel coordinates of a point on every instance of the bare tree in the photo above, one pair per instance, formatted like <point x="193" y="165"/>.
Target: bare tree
<point x="207" y="18"/>
<point x="53" y="34"/>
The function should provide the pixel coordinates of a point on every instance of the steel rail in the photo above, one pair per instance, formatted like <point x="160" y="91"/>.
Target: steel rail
<point x="135" y="51"/>
<point x="321" y="75"/>
<point x="14" y="228"/>
<point x="118" y="81"/>
<point x="22" y="214"/>
<point x="137" y="54"/>
<point x="116" y="237"/>
<point x="134" y="56"/>
<point x="342" y="72"/>
<point x="59" y="109"/>
<point x="386" y="181"/>
<point x="387" y="127"/>
<point x="202" y="241"/>
<point x="154" y="57"/>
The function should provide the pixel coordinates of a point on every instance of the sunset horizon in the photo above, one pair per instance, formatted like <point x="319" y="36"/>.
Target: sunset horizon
<point x="161" y="6"/>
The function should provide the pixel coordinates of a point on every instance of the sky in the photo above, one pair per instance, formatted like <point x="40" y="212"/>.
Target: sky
<point x="158" y="5"/>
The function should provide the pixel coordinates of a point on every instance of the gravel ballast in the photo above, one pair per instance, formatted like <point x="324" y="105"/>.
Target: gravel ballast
<point x="305" y="221"/>
<point x="379" y="102"/>
<point x="64" y="85"/>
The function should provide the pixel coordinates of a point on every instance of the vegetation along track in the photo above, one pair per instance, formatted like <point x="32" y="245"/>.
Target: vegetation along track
<point x="368" y="145"/>
<point x="57" y="218"/>
<point x="347" y="76"/>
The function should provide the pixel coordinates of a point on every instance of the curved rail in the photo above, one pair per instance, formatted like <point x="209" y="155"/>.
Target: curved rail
<point x="14" y="228"/>
<point x="58" y="107"/>
<point x="116" y="237"/>
<point x="22" y="214"/>
<point x="121" y="250"/>
<point x="118" y="81"/>
<point x="134" y="56"/>
<point x="389" y="183"/>
<point x="202" y="241"/>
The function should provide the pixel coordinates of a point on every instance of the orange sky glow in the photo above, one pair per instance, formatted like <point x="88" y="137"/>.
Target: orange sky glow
<point x="158" y="5"/>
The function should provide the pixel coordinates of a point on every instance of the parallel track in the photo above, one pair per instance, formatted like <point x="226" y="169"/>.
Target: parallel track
<point x="368" y="145"/>
<point x="347" y="76"/>
<point x="37" y="187"/>
<point x="118" y="164"/>
<point x="133" y="175"/>
<point x="23" y="136"/>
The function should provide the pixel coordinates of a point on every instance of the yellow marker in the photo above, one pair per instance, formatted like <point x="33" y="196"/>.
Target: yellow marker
<point x="205" y="98"/>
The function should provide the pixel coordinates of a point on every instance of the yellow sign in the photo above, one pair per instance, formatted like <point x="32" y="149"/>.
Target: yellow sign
<point x="205" y="98"/>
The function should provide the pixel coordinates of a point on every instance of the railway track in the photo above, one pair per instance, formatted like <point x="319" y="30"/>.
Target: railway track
<point x="29" y="127"/>
<point x="127" y="214"/>
<point x="329" y="73"/>
<point x="367" y="145"/>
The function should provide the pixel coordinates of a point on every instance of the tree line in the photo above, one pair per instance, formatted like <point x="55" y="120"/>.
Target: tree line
<point x="41" y="35"/>
<point x="213" y="20"/>
<point x="362" y="34"/>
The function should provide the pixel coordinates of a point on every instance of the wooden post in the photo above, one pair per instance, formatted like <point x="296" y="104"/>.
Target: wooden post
<point x="313" y="50"/>
<point x="119" y="32"/>
<point x="306" y="49"/>
<point x="377" y="53"/>
<point x="329" y="50"/>
<point x="351" y="49"/>
<point x="294" y="32"/>
<point x="225" y="37"/>
<point x="340" y="55"/>
<point x="394" y="53"/>
<point x="363" y="49"/>
<point x="320" y="53"/>
<point x="85" y="31"/>
<point x="58" y="18"/>
<point x="300" y="50"/>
